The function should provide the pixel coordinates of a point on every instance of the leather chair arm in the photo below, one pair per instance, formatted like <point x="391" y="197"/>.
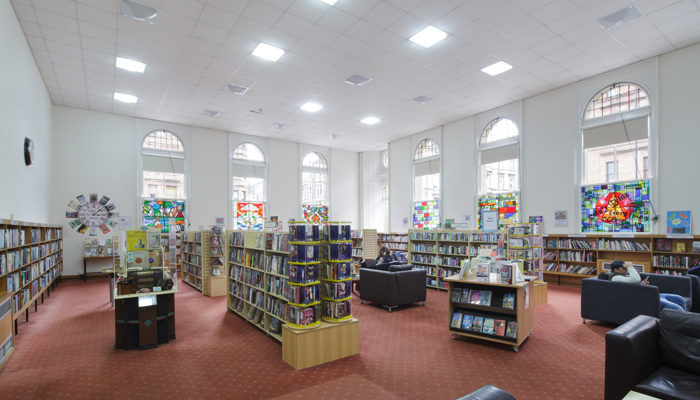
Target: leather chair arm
<point x="680" y="285"/>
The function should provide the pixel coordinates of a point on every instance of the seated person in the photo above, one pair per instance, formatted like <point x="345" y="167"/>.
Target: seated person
<point x="621" y="271"/>
<point x="385" y="256"/>
<point x="694" y="271"/>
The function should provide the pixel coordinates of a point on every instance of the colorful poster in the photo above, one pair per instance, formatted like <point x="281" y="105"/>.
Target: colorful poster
<point x="163" y="214"/>
<point x="426" y="214"/>
<point x="249" y="216"/>
<point x="506" y="204"/>
<point x="315" y="213"/>
<point x="618" y="207"/>
<point x="678" y="222"/>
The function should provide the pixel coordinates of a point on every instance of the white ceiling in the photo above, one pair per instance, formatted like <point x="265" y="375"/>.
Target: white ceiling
<point x="198" y="46"/>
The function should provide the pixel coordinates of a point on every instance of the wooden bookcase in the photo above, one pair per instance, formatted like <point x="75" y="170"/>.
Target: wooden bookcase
<point x="439" y="252"/>
<point x="364" y="245"/>
<point x="195" y="259"/>
<point x="522" y="314"/>
<point x="257" y="272"/>
<point x="674" y="255"/>
<point x="216" y="271"/>
<point x="525" y="243"/>
<point x="31" y="262"/>
<point x="393" y="241"/>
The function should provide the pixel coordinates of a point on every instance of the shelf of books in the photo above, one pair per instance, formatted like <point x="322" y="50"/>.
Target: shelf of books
<point x="496" y="312"/>
<point x="364" y="245"/>
<point x="216" y="259"/>
<point x="441" y="252"/>
<point x="195" y="259"/>
<point x="172" y="246"/>
<point x="525" y="244"/>
<point x="336" y="272"/>
<point x="675" y="255"/>
<point x="257" y="269"/>
<point x="31" y="261"/>
<point x="396" y="242"/>
<point x="304" y="285"/>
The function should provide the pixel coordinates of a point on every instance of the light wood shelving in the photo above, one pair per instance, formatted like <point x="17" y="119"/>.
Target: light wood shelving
<point x="195" y="259"/>
<point x="364" y="245"/>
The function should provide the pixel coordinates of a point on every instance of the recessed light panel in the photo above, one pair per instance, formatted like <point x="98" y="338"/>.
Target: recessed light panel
<point x="333" y="136"/>
<point x="428" y="36"/>
<point x="126" y="98"/>
<point x="212" y="113"/>
<point x="311" y="107"/>
<point x="138" y="11"/>
<point x="421" y="99"/>
<point x="235" y="88"/>
<point x="279" y="125"/>
<point x="130" y="65"/>
<point x="619" y="17"/>
<point x="331" y="2"/>
<point x="357" y="79"/>
<point x="497" y="68"/>
<point x="370" y="120"/>
<point x="268" y="52"/>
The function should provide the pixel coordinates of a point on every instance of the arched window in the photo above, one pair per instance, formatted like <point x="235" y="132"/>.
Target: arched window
<point x="314" y="180"/>
<point x="248" y="194"/>
<point x="426" y="185"/>
<point x="500" y="155"/>
<point x="616" y="135"/>
<point x="163" y="185"/>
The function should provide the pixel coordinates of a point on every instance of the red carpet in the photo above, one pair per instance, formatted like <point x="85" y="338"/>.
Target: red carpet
<point x="66" y="351"/>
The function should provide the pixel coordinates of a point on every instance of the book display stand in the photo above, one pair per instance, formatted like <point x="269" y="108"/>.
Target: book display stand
<point x="31" y="263"/>
<point x="525" y="244"/>
<point x="303" y="292"/>
<point x="215" y="284"/>
<point x="336" y="272"/>
<point x="196" y="267"/>
<point x="495" y="312"/>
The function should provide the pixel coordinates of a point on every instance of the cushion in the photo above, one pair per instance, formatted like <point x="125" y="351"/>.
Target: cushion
<point x="679" y="340"/>
<point x="603" y="275"/>
<point x="397" y="268"/>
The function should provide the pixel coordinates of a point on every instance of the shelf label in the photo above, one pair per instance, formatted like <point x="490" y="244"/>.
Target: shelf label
<point x="679" y="236"/>
<point x="577" y="236"/>
<point x="622" y="235"/>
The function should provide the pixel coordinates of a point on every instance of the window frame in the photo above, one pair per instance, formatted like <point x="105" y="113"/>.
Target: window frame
<point x="325" y="171"/>
<point x="262" y="165"/>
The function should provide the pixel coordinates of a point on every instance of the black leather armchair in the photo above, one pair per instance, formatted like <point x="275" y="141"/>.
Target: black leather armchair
<point x="619" y="302"/>
<point x="488" y="392"/>
<point x="400" y="285"/>
<point x="656" y="357"/>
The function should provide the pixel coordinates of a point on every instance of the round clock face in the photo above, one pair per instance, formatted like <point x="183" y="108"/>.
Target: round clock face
<point x="92" y="214"/>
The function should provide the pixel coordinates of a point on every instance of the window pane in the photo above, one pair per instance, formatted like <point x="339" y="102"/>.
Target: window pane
<point x="314" y="160"/>
<point x="313" y="188"/>
<point x="163" y="186"/>
<point x="248" y="151"/>
<point x="427" y="148"/>
<point x="627" y="157"/>
<point x="616" y="99"/>
<point x="492" y="176"/>
<point x="427" y="187"/>
<point x="248" y="189"/>
<point x="502" y="128"/>
<point x="163" y="140"/>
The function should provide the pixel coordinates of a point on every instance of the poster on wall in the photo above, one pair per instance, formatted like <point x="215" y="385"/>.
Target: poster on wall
<point x="249" y="216"/>
<point x="617" y="207"/>
<point x="561" y="218"/>
<point x="678" y="222"/>
<point x="164" y="214"/>
<point x="490" y="220"/>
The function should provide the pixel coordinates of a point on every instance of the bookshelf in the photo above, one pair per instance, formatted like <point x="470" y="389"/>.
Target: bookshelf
<point x="393" y="241"/>
<point x="364" y="245"/>
<point x="195" y="259"/>
<point x="257" y="273"/>
<point x="31" y="262"/>
<point x="675" y="255"/>
<point x="441" y="252"/>
<point x="525" y="243"/>
<point x="216" y="262"/>
<point x="336" y="272"/>
<point x="303" y="292"/>
<point x="520" y="317"/>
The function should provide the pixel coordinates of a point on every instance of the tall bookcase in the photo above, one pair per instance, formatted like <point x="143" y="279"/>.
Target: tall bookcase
<point x="525" y="243"/>
<point x="364" y="245"/>
<point x="393" y="241"/>
<point x="257" y="270"/>
<point x="196" y="266"/>
<point x="31" y="261"/>
<point x="441" y="252"/>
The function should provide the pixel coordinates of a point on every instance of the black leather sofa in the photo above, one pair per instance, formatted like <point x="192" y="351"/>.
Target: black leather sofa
<point x="488" y="392"/>
<point x="619" y="302"/>
<point x="656" y="357"/>
<point x="401" y="284"/>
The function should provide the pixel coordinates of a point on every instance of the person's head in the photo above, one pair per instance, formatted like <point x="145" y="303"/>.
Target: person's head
<point x="384" y="250"/>
<point x="620" y="267"/>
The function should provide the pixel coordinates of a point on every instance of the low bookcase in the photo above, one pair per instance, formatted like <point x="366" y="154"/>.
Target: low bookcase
<point x="521" y="314"/>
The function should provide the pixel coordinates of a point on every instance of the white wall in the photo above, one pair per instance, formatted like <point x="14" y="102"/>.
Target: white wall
<point x="458" y="155"/>
<point x="25" y="111"/>
<point x="210" y="195"/>
<point x="345" y="187"/>
<point x="400" y="186"/>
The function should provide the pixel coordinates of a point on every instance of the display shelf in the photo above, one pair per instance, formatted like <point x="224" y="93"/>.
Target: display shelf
<point x="517" y="322"/>
<point x="216" y="261"/>
<point x="525" y="243"/>
<point x="195" y="259"/>
<point x="364" y="245"/>
<point x="336" y="272"/>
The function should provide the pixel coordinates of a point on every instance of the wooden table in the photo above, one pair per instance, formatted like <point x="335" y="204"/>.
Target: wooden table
<point x="85" y="261"/>
<point x="112" y="276"/>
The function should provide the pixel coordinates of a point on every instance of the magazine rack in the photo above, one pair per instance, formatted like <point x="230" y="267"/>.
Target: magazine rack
<point x="303" y="291"/>
<point x="336" y="272"/>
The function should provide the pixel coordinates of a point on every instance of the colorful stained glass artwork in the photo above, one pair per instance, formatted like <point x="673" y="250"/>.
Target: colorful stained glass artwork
<point x="164" y="214"/>
<point x="616" y="207"/>
<point x="315" y="214"/>
<point x="249" y="216"/>
<point x="506" y="204"/>
<point x="426" y="214"/>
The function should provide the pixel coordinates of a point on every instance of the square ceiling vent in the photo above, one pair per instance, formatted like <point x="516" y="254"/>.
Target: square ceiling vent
<point x="619" y="17"/>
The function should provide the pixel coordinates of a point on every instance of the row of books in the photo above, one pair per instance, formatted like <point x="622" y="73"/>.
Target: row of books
<point x="393" y="238"/>
<point x="578" y="269"/>
<point x="423" y="258"/>
<point x="458" y="250"/>
<point x="11" y="238"/>
<point x="304" y="233"/>
<point x="426" y="248"/>
<point x="336" y="271"/>
<point x="490" y="326"/>
<point x="277" y="242"/>
<point x="675" y="261"/>
<point x="422" y="235"/>
<point x="336" y="290"/>
<point x="625" y="245"/>
<point x="481" y="297"/>
<point x="453" y="237"/>
<point x="570" y="244"/>
<point x="666" y="245"/>
<point x="337" y="310"/>
<point x="302" y="294"/>
<point x="193" y="248"/>
<point x="585" y="256"/>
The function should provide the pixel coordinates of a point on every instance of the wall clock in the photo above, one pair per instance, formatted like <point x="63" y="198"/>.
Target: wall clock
<point x="28" y="151"/>
<point x="92" y="215"/>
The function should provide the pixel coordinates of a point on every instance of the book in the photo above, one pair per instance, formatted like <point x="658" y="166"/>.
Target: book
<point x="509" y="301"/>
<point x="696" y="246"/>
<point x="455" y="295"/>
<point x="476" y="323"/>
<point x="499" y="327"/>
<point x="680" y="247"/>
<point x="464" y="298"/>
<point x="507" y="274"/>
<point x="511" y="329"/>
<point x="467" y="322"/>
<point x="482" y="272"/>
<point x="485" y="298"/>
<point x="456" y="319"/>
<point x="475" y="297"/>
<point x="663" y="245"/>
<point x="488" y="326"/>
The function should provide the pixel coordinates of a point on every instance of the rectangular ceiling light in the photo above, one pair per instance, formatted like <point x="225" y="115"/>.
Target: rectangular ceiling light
<point x="428" y="36"/>
<point x="619" y="17"/>
<point x="331" y="2"/>
<point x="126" y="98"/>
<point x="370" y="120"/>
<point x="130" y="65"/>
<point x="497" y="68"/>
<point x="268" y="52"/>
<point x="311" y="107"/>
